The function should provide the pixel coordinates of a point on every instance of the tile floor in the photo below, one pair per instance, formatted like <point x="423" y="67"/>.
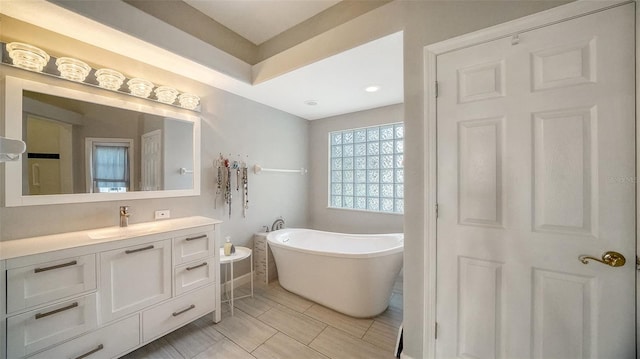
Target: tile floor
<point x="277" y="324"/>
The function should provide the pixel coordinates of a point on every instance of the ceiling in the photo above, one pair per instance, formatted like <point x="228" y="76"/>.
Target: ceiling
<point x="260" y="20"/>
<point x="335" y="84"/>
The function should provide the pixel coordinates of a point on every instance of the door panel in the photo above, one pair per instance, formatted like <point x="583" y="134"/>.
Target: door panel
<point x="480" y="293"/>
<point x="536" y="166"/>
<point x="151" y="161"/>
<point x="563" y="142"/>
<point x="480" y="169"/>
<point x="563" y="315"/>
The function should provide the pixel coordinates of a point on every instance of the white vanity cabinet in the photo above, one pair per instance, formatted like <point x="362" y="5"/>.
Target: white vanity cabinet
<point x="104" y="293"/>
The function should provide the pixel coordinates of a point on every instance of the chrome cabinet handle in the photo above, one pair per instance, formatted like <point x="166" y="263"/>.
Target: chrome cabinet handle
<point x="129" y="251"/>
<point x="97" y="349"/>
<point x="197" y="237"/>
<point x="72" y="263"/>
<point x="197" y="266"/>
<point x="55" y="311"/>
<point x="192" y="306"/>
<point x="610" y="258"/>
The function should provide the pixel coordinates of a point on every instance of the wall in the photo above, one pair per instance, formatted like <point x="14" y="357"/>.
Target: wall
<point x="339" y="220"/>
<point x="230" y="125"/>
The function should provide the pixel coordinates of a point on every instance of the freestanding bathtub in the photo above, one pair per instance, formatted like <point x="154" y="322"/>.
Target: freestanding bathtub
<point x="350" y="273"/>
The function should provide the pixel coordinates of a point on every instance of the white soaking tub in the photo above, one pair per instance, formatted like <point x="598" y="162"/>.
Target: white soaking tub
<point x="350" y="273"/>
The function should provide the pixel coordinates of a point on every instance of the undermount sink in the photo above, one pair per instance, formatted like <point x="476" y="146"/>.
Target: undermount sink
<point x="129" y="231"/>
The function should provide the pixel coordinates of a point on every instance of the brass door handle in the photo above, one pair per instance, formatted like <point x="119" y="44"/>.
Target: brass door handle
<point x="610" y="258"/>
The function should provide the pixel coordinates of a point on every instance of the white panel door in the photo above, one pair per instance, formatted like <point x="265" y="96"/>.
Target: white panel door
<point x="151" y="161"/>
<point x="536" y="166"/>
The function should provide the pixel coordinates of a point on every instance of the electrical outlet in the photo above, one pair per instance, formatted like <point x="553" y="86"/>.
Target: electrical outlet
<point x="163" y="214"/>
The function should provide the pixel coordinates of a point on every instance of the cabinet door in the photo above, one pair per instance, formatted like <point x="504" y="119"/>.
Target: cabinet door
<point x="133" y="278"/>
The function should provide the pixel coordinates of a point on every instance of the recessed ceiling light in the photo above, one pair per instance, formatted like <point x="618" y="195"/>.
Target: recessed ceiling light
<point x="311" y="102"/>
<point x="372" y="88"/>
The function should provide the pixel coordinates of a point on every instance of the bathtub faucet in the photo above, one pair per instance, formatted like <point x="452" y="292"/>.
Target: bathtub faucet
<point x="266" y="228"/>
<point x="277" y="224"/>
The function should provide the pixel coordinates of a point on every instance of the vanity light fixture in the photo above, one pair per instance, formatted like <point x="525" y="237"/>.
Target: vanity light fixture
<point x="189" y="101"/>
<point x="140" y="87"/>
<point x="166" y="94"/>
<point x="31" y="58"/>
<point x="109" y="79"/>
<point x="27" y="56"/>
<point x="73" y="69"/>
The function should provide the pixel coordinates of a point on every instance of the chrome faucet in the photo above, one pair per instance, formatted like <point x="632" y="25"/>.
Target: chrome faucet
<point x="124" y="216"/>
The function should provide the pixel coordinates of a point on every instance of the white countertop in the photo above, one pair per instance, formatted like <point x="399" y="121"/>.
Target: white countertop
<point x="36" y="245"/>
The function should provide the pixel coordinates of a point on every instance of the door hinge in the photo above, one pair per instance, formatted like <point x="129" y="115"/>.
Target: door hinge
<point x="437" y="211"/>
<point x="436" y="89"/>
<point x="436" y="331"/>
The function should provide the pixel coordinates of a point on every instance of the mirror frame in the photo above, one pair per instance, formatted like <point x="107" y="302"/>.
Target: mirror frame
<point x="14" y="197"/>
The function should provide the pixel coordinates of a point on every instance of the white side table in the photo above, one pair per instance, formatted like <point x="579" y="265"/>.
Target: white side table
<point x="240" y="254"/>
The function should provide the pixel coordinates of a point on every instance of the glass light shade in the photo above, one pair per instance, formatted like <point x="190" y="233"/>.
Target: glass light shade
<point x="189" y="101"/>
<point x="72" y="69"/>
<point x="166" y="94"/>
<point x="109" y="79"/>
<point x="140" y="87"/>
<point x="27" y="56"/>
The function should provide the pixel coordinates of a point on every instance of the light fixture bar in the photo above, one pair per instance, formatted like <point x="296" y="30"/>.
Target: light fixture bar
<point x="107" y="79"/>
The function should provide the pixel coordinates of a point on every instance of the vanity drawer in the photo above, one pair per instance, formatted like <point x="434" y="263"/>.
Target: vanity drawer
<point x="45" y="282"/>
<point x="193" y="275"/>
<point x="191" y="247"/>
<point x="32" y="331"/>
<point x="108" y="342"/>
<point x="168" y="316"/>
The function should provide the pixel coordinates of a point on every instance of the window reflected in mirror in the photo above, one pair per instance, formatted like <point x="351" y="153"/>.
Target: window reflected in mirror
<point x="109" y="169"/>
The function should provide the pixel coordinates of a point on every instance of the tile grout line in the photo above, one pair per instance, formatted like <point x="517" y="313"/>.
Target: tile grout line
<point x="325" y="325"/>
<point x="261" y="344"/>
<point x="238" y="344"/>
<point x="323" y="329"/>
<point x="368" y="328"/>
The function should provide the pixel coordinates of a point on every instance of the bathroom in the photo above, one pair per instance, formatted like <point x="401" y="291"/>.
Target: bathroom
<point x="242" y="129"/>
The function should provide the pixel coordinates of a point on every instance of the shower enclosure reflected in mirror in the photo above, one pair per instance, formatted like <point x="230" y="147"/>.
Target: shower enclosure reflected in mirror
<point x="83" y="147"/>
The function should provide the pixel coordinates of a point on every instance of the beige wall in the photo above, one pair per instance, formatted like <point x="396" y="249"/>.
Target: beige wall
<point x="339" y="220"/>
<point x="231" y="125"/>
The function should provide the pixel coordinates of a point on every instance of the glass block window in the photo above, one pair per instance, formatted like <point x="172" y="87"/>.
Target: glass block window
<point x="366" y="168"/>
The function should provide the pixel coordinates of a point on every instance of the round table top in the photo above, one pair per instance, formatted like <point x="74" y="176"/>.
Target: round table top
<point x="240" y="254"/>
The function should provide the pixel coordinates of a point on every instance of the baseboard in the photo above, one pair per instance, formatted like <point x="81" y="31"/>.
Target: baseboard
<point x="405" y="356"/>
<point x="237" y="282"/>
